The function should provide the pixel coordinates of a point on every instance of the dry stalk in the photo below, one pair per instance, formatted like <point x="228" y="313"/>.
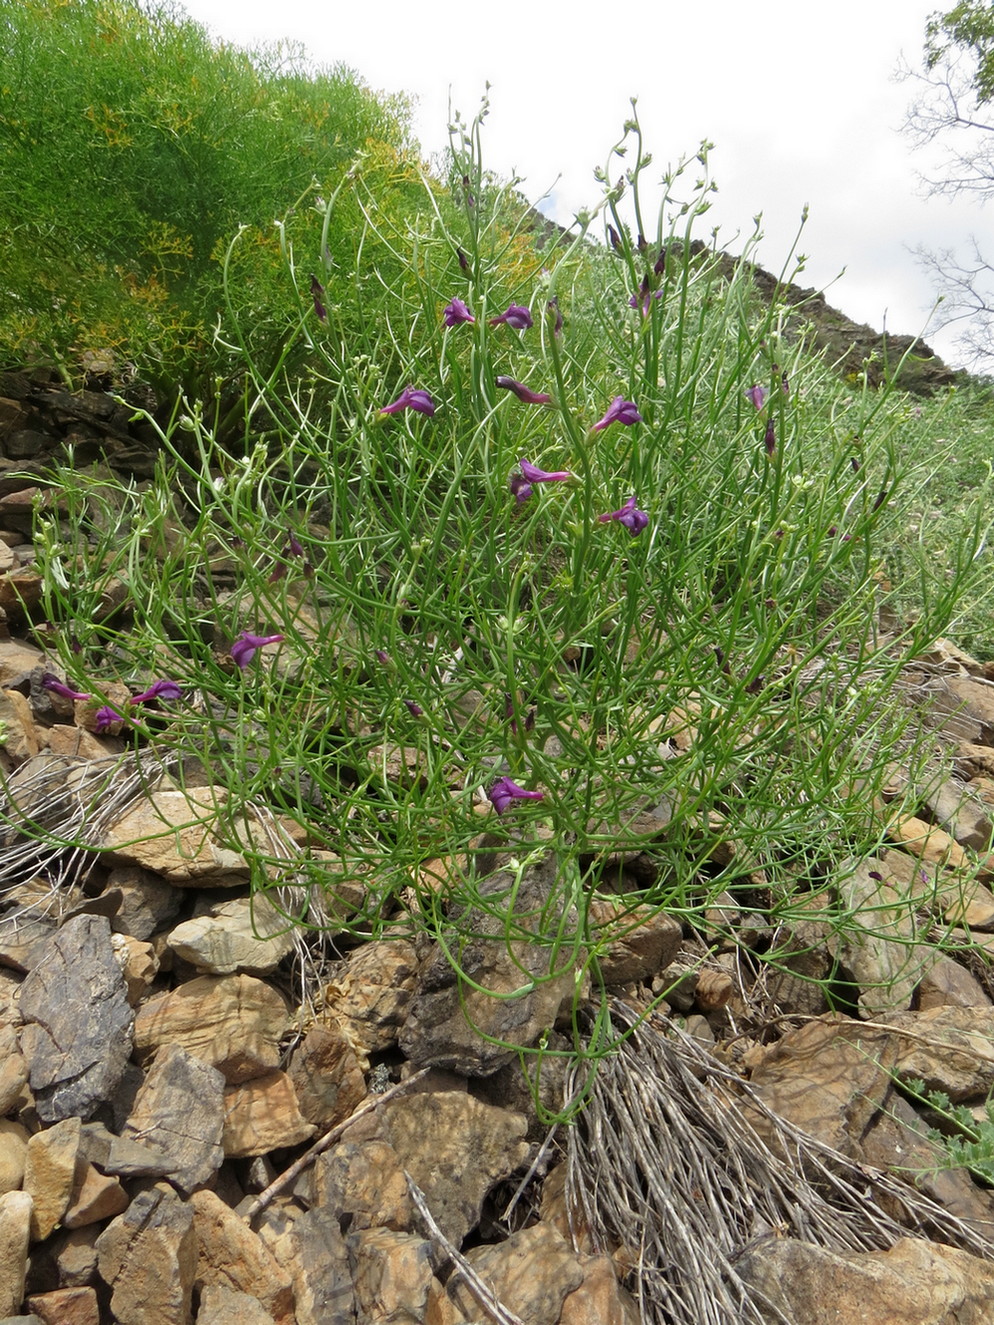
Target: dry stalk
<point x="667" y="1164"/>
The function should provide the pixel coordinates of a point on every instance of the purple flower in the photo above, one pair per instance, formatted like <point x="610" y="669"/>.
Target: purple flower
<point x="415" y="710"/>
<point x="382" y="657"/>
<point x="158" y="690"/>
<point x="630" y="516"/>
<point x="105" y="717"/>
<point x="57" y="687"/>
<point x="533" y="474"/>
<point x="455" y="312"/>
<point x="615" y="238"/>
<point x="558" y="324"/>
<point x="515" y="316"/>
<point x="462" y="259"/>
<point x="619" y="411"/>
<point x="521" y="488"/>
<point x="523" y="392"/>
<point x="293" y="546"/>
<point x="411" y="398"/>
<point x="504" y="793"/>
<point x="757" y="395"/>
<point x="644" y="296"/>
<point x="770" y="437"/>
<point x="317" y="290"/>
<point x="244" y="647"/>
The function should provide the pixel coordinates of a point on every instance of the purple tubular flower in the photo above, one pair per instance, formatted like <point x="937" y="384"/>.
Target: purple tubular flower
<point x="462" y="259"/>
<point x="615" y="238"/>
<point x="244" y="647"/>
<point x="411" y="398"/>
<point x="558" y="324"/>
<point x="158" y="690"/>
<point x="381" y="656"/>
<point x="317" y="290"/>
<point x="533" y="474"/>
<point x="455" y="311"/>
<point x="770" y="438"/>
<point x="630" y="516"/>
<point x="757" y="395"/>
<point x="620" y="410"/>
<point x="521" y="488"/>
<point x="294" y="547"/>
<point x="57" y="687"/>
<point x="105" y="717"/>
<point x="523" y="392"/>
<point x="515" y="316"/>
<point x="504" y="793"/>
<point x="415" y="710"/>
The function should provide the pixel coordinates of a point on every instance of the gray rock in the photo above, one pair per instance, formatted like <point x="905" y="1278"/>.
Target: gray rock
<point x="179" y="1114"/>
<point x="314" y="1252"/>
<point x="447" y="1014"/>
<point x="78" y="1023"/>
<point x="148" y="1258"/>
<point x="147" y="903"/>
<point x="121" y="1156"/>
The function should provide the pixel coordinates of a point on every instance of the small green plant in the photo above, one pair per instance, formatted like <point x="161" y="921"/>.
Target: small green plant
<point x="967" y="1138"/>
<point x="531" y="539"/>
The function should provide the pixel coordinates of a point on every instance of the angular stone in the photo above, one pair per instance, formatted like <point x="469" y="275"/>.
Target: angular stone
<point x="371" y="997"/>
<point x="173" y="834"/>
<point x="946" y="983"/>
<point x="879" y="944"/>
<point x="49" y="1174"/>
<point x="148" y="1258"/>
<point x="950" y="1048"/>
<point x="13" y="1154"/>
<point x="447" y="1015"/>
<point x="233" y="1022"/>
<point x="21" y="740"/>
<point x="96" y="1197"/>
<point x="455" y="1147"/>
<point x="76" y="1257"/>
<point x="600" y="1299"/>
<point x="364" y="1183"/>
<point x="247" y="934"/>
<point x="138" y="963"/>
<point x="327" y="1076"/>
<point x="643" y="940"/>
<point x="391" y="1275"/>
<point x="147" y="903"/>
<point x="15" y="1225"/>
<point x="13" y="1070"/>
<point x="78" y="1032"/>
<point x="22" y="945"/>
<point x="66" y="1306"/>
<point x="221" y="1305"/>
<point x="262" y="1115"/>
<point x="179" y="1114"/>
<point x="313" y="1251"/>
<point x="120" y="1156"/>
<point x="531" y="1274"/>
<point x="232" y="1255"/>
<point x="914" y="1283"/>
<point x="963" y="815"/>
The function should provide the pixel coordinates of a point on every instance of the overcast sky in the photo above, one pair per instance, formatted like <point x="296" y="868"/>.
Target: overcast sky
<point x="800" y="100"/>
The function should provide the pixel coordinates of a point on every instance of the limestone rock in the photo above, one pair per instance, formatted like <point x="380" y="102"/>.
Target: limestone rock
<point x="173" y="834"/>
<point x="221" y="1305"/>
<point x="327" y="1076"/>
<point x="66" y="1306"/>
<point x="531" y="1274"/>
<point x="13" y="1154"/>
<point x="949" y="983"/>
<point x="447" y="1014"/>
<point x="78" y="1032"/>
<point x="247" y="934"/>
<point x="179" y="1114"/>
<point x="643" y="940"/>
<point x="456" y="1148"/>
<point x="364" y="1183"/>
<point x="879" y="944"/>
<point x="950" y="1048"/>
<point x="139" y="965"/>
<point x="371" y="997"/>
<point x="49" y="1174"/>
<point x="233" y="1022"/>
<point x="313" y="1251"/>
<point x="961" y="814"/>
<point x="21" y="739"/>
<point x="231" y="1255"/>
<point x="15" y="1225"/>
<point x="13" y="1070"/>
<point x="96" y="1196"/>
<point x="914" y="1283"/>
<point x="76" y="1257"/>
<point x="148" y="1258"/>
<point x="23" y="941"/>
<point x="600" y="1299"/>
<point x="262" y="1115"/>
<point x="392" y="1276"/>
<point x="147" y="903"/>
